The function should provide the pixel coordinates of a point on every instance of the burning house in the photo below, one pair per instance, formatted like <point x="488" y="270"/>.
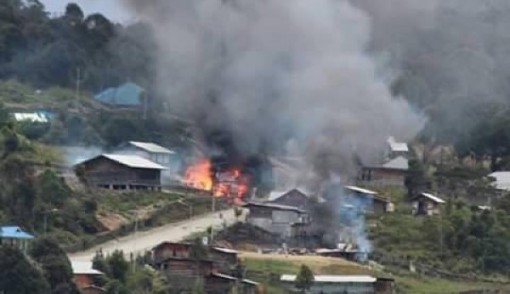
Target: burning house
<point x="121" y="172"/>
<point x="223" y="176"/>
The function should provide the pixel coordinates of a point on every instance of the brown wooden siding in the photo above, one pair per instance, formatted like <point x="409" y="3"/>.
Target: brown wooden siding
<point x="103" y="172"/>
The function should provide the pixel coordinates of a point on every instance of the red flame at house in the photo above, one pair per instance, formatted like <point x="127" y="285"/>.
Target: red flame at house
<point x="229" y="182"/>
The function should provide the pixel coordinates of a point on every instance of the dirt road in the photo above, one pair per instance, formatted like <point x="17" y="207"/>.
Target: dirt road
<point x="143" y="241"/>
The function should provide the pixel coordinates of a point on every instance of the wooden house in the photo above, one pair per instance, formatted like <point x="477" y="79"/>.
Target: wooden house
<point x="294" y="197"/>
<point x="385" y="285"/>
<point x="166" y="250"/>
<point x="218" y="283"/>
<point x="84" y="276"/>
<point x="275" y="218"/>
<point x="150" y="151"/>
<point x="183" y="273"/>
<point x="93" y="290"/>
<point x="368" y="200"/>
<point x="121" y="172"/>
<point x="426" y="204"/>
<point x="390" y="174"/>
<point x="396" y="149"/>
<point x="225" y="260"/>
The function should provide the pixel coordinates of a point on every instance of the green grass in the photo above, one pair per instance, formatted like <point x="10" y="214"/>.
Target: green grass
<point x="12" y="91"/>
<point x="126" y="203"/>
<point x="424" y="285"/>
<point x="272" y="266"/>
<point x="267" y="271"/>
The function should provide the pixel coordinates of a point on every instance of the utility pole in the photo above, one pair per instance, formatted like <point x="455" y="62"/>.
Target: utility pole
<point x="46" y="218"/>
<point x="78" y="83"/>
<point x="134" y="244"/>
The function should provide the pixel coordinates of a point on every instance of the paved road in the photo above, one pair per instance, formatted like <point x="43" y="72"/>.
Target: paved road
<point x="143" y="241"/>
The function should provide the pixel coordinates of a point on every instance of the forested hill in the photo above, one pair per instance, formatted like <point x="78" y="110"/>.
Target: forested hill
<point x="46" y="51"/>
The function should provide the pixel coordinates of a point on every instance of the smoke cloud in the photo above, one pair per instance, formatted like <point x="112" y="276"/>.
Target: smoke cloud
<point x="280" y="77"/>
<point x="452" y="56"/>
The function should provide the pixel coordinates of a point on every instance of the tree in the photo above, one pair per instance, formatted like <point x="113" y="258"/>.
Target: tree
<point x="415" y="180"/>
<point x="118" y="266"/>
<point x="56" y="265"/>
<point x="53" y="189"/>
<point x="74" y="14"/>
<point x="304" y="279"/>
<point x="116" y="287"/>
<point x="18" y="276"/>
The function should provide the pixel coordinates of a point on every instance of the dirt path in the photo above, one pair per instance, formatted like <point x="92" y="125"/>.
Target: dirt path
<point x="143" y="241"/>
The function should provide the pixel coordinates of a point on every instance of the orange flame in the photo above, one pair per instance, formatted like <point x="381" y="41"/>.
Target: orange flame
<point x="199" y="175"/>
<point x="230" y="183"/>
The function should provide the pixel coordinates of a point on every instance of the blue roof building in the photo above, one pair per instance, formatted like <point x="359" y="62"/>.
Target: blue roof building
<point x="14" y="236"/>
<point x="128" y="94"/>
<point x="14" y="232"/>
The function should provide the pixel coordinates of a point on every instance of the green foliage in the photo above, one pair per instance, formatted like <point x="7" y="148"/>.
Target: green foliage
<point x="47" y="51"/>
<point x="18" y="275"/>
<point x="304" y="279"/>
<point x="43" y="203"/>
<point x="118" y="266"/>
<point x="56" y="266"/>
<point x="116" y="287"/>
<point x="416" y="180"/>
<point x="462" y="239"/>
<point x="52" y="189"/>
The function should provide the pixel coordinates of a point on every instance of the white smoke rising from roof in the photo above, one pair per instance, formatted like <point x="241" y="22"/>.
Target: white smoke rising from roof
<point x="272" y="72"/>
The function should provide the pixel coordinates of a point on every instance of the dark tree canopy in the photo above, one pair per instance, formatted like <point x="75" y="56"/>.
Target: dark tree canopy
<point x="56" y="265"/>
<point x="47" y="51"/>
<point x="304" y="279"/>
<point x="18" y="276"/>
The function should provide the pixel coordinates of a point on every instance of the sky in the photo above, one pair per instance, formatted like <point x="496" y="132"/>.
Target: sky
<point x="109" y="8"/>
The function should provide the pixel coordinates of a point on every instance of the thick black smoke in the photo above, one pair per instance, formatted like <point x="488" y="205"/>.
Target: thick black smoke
<point x="277" y="77"/>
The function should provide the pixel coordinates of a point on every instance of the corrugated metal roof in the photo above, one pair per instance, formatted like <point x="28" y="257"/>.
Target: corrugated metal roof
<point x="84" y="268"/>
<point x="128" y="94"/>
<point x="502" y="180"/>
<point x="432" y="197"/>
<point x="276" y="195"/>
<point x="14" y="232"/>
<point x="133" y="161"/>
<point x="397" y="146"/>
<point x="227" y="277"/>
<point x="400" y="163"/>
<point x="333" y="279"/>
<point x="151" y="147"/>
<point x="226" y="250"/>
<point x="274" y="206"/>
<point x="360" y="190"/>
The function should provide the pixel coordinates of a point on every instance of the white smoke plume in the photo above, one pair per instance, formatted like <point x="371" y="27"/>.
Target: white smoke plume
<point x="278" y="73"/>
